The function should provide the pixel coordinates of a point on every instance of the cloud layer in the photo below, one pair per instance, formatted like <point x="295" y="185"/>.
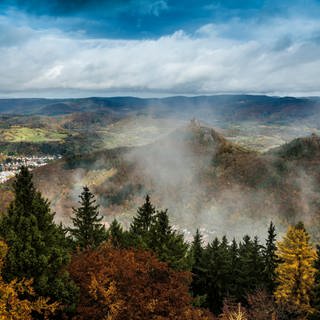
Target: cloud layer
<point x="273" y="55"/>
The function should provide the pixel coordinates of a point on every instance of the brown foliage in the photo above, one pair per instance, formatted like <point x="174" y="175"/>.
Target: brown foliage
<point x="262" y="306"/>
<point x="127" y="284"/>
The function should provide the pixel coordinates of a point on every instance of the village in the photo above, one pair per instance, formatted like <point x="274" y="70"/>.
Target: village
<point x="11" y="165"/>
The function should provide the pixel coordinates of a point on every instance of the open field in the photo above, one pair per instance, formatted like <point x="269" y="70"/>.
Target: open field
<point x="34" y="135"/>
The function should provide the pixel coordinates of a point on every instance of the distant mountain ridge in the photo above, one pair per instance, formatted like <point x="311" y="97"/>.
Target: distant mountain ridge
<point x="230" y="107"/>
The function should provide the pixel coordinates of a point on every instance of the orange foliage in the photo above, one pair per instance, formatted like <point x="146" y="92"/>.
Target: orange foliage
<point x="127" y="284"/>
<point x="12" y="306"/>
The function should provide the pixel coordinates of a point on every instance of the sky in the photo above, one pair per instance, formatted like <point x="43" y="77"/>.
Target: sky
<point x="79" y="48"/>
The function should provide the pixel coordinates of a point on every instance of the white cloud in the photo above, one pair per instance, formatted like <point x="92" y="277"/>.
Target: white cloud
<point x="283" y="58"/>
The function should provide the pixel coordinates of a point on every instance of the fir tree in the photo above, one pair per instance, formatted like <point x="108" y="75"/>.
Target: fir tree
<point x="160" y="228"/>
<point x="198" y="268"/>
<point x="88" y="232"/>
<point x="143" y="221"/>
<point x="37" y="246"/>
<point x="168" y="244"/>
<point x="251" y="267"/>
<point x="234" y="269"/>
<point x="270" y="259"/>
<point x="117" y="236"/>
<point x="295" y="273"/>
<point x="197" y="249"/>
<point x="217" y="277"/>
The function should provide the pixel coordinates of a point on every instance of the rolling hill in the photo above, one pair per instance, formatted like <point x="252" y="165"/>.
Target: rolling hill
<point x="232" y="180"/>
<point x="203" y="179"/>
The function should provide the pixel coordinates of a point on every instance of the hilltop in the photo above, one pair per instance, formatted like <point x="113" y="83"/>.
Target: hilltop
<point x="204" y="179"/>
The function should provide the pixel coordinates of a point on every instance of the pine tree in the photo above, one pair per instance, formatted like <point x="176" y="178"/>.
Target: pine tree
<point x="217" y="277"/>
<point x="198" y="268"/>
<point x="160" y="228"/>
<point x="197" y="249"/>
<point x="117" y="236"/>
<point x="234" y="269"/>
<point x="251" y="267"/>
<point x="37" y="246"/>
<point x="270" y="259"/>
<point x="142" y="222"/>
<point x="167" y="243"/>
<point x="295" y="273"/>
<point x="88" y="232"/>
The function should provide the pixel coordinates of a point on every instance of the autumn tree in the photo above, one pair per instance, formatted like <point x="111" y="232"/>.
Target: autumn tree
<point x="261" y="306"/>
<point x="315" y="301"/>
<point x="233" y="311"/>
<point x="87" y="230"/>
<point x="37" y="246"/>
<point x="295" y="272"/>
<point x="123" y="284"/>
<point x="13" y="297"/>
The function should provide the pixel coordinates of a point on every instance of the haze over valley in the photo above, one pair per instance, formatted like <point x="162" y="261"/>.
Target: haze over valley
<point x="225" y="164"/>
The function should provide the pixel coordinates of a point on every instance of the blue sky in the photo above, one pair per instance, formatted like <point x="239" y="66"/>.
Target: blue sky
<point x="77" y="48"/>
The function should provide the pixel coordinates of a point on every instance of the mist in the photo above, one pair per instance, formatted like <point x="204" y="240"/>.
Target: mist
<point x="220" y="173"/>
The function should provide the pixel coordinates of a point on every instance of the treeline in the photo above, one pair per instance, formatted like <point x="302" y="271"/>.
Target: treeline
<point x="149" y="271"/>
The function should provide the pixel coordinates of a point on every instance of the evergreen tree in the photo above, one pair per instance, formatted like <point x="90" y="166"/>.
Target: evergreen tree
<point x="258" y="263"/>
<point x="198" y="268"/>
<point x="151" y="230"/>
<point x="37" y="246"/>
<point x="117" y="236"/>
<point x="142" y="222"/>
<point x="160" y="229"/>
<point x="88" y="232"/>
<point x="295" y="273"/>
<point x="251" y="267"/>
<point x="217" y="280"/>
<point x="168" y="244"/>
<point x="234" y="269"/>
<point x="197" y="249"/>
<point x="270" y="259"/>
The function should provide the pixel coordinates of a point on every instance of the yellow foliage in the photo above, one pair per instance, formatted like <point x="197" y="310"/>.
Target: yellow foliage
<point x="295" y="273"/>
<point x="12" y="307"/>
<point x="106" y="294"/>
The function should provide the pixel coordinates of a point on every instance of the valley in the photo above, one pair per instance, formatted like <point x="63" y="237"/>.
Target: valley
<point x="225" y="171"/>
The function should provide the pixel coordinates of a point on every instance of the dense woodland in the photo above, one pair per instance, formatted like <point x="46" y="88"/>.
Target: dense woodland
<point x="86" y="271"/>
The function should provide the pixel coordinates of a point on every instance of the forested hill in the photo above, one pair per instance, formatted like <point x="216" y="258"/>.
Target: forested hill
<point x="225" y="107"/>
<point x="201" y="177"/>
